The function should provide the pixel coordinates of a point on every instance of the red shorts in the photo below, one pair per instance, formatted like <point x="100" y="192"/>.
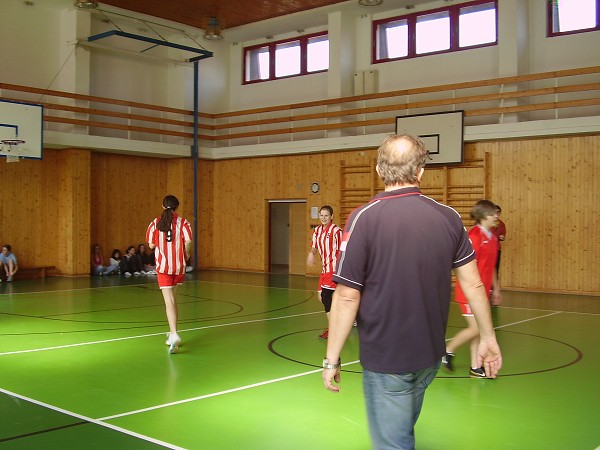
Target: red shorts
<point x="166" y="280"/>
<point x="465" y="309"/>
<point x="326" y="281"/>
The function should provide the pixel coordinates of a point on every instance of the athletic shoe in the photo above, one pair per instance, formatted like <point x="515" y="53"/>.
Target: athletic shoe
<point x="136" y="274"/>
<point x="447" y="361"/>
<point x="168" y="341"/>
<point x="324" y="334"/>
<point x="478" y="372"/>
<point x="127" y="274"/>
<point x="175" y="340"/>
<point x="143" y="272"/>
<point x="9" y="279"/>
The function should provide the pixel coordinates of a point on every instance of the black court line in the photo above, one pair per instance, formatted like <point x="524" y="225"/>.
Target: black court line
<point x="577" y="359"/>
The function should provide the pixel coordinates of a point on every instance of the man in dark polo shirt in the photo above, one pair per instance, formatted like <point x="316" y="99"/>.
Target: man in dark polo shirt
<point x="394" y="271"/>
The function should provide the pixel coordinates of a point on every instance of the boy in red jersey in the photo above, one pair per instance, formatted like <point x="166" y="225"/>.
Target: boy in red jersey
<point x="171" y="238"/>
<point x="500" y="232"/>
<point x="326" y="240"/>
<point x="485" y="244"/>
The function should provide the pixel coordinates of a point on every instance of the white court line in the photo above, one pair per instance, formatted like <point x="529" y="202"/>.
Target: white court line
<point x="90" y="420"/>
<point x="216" y="394"/>
<point x="527" y="320"/>
<point x="520" y="321"/>
<point x="104" y="341"/>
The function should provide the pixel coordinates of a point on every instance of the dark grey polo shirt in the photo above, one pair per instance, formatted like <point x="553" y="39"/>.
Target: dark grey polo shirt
<point x="399" y="251"/>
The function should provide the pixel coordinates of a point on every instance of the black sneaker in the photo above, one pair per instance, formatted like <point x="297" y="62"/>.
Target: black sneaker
<point x="447" y="361"/>
<point x="477" y="373"/>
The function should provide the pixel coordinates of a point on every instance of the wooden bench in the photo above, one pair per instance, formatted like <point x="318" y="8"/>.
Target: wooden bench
<point x="33" y="271"/>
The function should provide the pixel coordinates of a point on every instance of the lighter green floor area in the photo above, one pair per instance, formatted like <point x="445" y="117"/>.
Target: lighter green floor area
<point x="83" y="365"/>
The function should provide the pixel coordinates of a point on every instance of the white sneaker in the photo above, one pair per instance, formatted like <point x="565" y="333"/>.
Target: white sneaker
<point x="143" y="272"/>
<point x="173" y="343"/>
<point x="136" y="274"/>
<point x="127" y="274"/>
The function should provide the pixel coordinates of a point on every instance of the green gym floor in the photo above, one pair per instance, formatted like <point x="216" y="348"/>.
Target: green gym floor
<point x="83" y="365"/>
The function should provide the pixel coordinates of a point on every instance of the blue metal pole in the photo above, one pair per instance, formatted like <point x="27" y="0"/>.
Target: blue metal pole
<point x="195" y="165"/>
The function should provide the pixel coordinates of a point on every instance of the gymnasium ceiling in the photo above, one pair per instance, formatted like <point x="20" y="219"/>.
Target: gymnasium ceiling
<point x="242" y="20"/>
<point x="230" y="13"/>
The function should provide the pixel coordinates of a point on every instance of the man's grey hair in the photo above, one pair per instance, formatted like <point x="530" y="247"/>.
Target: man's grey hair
<point x="400" y="159"/>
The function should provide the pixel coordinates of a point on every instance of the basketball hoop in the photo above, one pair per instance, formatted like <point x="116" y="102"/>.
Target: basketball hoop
<point x="8" y="145"/>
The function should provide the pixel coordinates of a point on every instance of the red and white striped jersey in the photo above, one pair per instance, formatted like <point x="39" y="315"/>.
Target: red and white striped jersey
<point x="170" y="246"/>
<point x="327" y="240"/>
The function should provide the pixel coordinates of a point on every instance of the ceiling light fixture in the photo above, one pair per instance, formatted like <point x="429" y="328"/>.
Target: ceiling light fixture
<point x="370" y="2"/>
<point x="86" y="4"/>
<point x="213" y="30"/>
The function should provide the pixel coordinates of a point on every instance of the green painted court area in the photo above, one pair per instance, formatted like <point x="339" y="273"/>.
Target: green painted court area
<point x="83" y="364"/>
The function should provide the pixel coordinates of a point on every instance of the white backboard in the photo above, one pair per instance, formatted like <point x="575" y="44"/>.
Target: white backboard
<point x="21" y="132"/>
<point x="441" y="132"/>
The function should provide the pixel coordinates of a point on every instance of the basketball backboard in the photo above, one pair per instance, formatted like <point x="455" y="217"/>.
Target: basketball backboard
<point x="441" y="132"/>
<point x="21" y="133"/>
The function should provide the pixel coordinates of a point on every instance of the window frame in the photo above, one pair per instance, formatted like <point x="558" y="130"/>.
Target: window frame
<point x="272" y="46"/>
<point x="550" y="21"/>
<point x="411" y="21"/>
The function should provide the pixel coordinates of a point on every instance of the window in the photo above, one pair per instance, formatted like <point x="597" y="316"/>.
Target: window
<point x="454" y="28"/>
<point x="477" y="25"/>
<point x="572" y="16"/>
<point x="293" y="57"/>
<point x="433" y="32"/>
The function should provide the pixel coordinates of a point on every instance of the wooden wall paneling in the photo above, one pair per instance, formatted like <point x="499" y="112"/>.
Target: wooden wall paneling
<point x="206" y="206"/>
<point x="434" y="183"/>
<point x="127" y="193"/>
<point x="74" y="206"/>
<point x="549" y="193"/>
<point x="29" y="209"/>
<point x="359" y="182"/>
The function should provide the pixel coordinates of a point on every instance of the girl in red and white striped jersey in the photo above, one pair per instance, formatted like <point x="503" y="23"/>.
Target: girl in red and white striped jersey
<point x="171" y="238"/>
<point x="326" y="240"/>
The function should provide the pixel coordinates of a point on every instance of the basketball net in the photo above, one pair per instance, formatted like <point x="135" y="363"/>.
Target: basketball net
<point x="9" y="145"/>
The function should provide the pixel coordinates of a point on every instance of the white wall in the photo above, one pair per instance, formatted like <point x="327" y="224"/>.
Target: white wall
<point x="560" y="52"/>
<point x="33" y="51"/>
<point x="30" y="43"/>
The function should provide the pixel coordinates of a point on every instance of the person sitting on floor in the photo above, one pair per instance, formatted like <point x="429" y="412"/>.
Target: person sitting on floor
<point x="131" y="264"/>
<point x="147" y="259"/>
<point x="115" y="260"/>
<point x="98" y="267"/>
<point x="9" y="262"/>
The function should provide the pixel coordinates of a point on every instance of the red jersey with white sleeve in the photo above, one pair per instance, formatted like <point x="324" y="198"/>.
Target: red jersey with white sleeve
<point x="485" y="244"/>
<point x="327" y="240"/>
<point x="170" y="246"/>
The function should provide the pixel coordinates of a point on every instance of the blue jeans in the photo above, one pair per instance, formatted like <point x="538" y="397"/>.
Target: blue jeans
<point x="393" y="406"/>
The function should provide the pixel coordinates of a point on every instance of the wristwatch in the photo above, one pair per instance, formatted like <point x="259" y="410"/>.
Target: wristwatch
<point x="328" y="365"/>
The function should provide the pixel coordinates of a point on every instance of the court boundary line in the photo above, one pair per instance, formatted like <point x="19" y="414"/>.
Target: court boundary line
<point x="263" y="383"/>
<point x="104" y="341"/>
<point x="216" y="394"/>
<point x="91" y="420"/>
<point x="527" y="320"/>
<point x="102" y="421"/>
